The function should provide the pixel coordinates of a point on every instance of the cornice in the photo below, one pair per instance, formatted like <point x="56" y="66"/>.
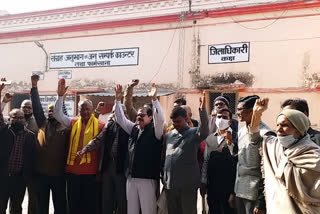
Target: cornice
<point x="115" y="11"/>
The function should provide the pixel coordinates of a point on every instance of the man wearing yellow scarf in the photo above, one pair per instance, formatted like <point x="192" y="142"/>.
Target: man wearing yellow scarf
<point x="81" y="173"/>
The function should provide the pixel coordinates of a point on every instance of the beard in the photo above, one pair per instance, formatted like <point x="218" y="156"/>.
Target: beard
<point x="51" y="119"/>
<point x="16" y="127"/>
<point x="27" y="116"/>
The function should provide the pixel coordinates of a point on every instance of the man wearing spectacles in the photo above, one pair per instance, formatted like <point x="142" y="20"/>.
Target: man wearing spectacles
<point x="145" y="144"/>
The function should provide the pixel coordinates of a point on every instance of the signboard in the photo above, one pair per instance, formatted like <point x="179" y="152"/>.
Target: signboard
<point x="229" y="53"/>
<point x="92" y="59"/>
<point x="46" y="100"/>
<point x="39" y="73"/>
<point x="64" y="74"/>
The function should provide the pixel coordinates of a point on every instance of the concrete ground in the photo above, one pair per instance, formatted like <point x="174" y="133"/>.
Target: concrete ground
<point x="25" y="206"/>
<point x="51" y="210"/>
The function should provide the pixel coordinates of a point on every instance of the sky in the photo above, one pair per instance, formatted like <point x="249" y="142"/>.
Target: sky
<point x="22" y="6"/>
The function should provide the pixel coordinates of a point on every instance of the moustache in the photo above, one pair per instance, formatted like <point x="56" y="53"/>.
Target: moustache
<point x="140" y="119"/>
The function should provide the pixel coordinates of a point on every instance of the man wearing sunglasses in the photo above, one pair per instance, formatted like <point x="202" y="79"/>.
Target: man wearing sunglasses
<point x="144" y="155"/>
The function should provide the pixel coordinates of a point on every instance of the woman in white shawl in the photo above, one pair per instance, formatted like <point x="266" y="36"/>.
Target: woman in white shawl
<point x="291" y="163"/>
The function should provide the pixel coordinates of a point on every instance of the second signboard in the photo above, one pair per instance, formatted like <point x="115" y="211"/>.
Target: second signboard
<point x="46" y="100"/>
<point x="64" y="74"/>
<point x="229" y="53"/>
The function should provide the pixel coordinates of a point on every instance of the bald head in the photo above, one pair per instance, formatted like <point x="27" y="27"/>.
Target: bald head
<point x="85" y="109"/>
<point x="26" y="107"/>
<point x="15" y="111"/>
<point x="17" y="116"/>
<point x="26" y="102"/>
<point x="85" y="102"/>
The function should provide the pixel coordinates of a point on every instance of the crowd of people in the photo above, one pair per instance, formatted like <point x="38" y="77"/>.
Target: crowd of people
<point x="135" y="163"/>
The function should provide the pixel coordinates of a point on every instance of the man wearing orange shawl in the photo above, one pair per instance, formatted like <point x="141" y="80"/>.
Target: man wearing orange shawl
<point x="81" y="172"/>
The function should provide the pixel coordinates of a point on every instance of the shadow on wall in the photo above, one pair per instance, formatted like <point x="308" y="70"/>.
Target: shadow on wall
<point x="225" y="78"/>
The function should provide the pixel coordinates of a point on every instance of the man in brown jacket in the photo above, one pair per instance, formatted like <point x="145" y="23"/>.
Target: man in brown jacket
<point x="50" y="163"/>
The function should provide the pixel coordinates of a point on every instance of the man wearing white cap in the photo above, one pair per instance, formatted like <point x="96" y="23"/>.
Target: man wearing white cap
<point x="291" y="162"/>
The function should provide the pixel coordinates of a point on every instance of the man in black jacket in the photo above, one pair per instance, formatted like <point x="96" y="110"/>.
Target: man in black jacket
<point x="219" y="167"/>
<point x="144" y="153"/>
<point x="113" y="143"/>
<point x="17" y="160"/>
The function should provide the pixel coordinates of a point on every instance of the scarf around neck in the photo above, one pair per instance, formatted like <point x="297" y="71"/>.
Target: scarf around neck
<point x="91" y="130"/>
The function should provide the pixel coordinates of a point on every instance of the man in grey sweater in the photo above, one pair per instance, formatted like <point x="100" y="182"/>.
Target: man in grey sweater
<point x="249" y="184"/>
<point x="181" y="173"/>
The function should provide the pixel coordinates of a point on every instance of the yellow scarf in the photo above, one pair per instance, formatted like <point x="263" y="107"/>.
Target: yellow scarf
<point x="91" y="130"/>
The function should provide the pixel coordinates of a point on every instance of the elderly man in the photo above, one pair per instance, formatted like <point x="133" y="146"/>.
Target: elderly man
<point x="291" y="162"/>
<point x="81" y="172"/>
<point x="31" y="124"/>
<point x="145" y="144"/>
<point x="181" y="173"/>
<point x="17" y="160"/>
<point x="302" y="105"/>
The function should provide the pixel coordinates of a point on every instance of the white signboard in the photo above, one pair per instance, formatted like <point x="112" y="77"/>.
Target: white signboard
<point x="64" y="74"/>
<point x="91" y="59"/>
<point x="229" y="53"/>
<point x="39" y="73"/>
<point x="46" y="100"/>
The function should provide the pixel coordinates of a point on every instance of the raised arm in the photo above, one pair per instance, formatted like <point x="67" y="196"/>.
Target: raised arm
<point x="127" y="101"/>
<point x="58" y="112"/>
<point x="203" y="129"/>
<point x="158" y="118"/>
<point x="98" y="109"/>
<point x="260" y="106"/>
<point x="121" y="119"/>
<point x="2" y="123"/>
<point x="6" y="99"/>
<point x="3" y="104"/>
<point x="64" y="108"/>
<point x="36" y="104"/>
<point x="95" y="143"/>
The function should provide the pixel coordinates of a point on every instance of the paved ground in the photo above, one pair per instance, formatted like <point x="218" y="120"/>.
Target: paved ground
<point x="25" y="206"/>
<point x="51" y="210"/>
